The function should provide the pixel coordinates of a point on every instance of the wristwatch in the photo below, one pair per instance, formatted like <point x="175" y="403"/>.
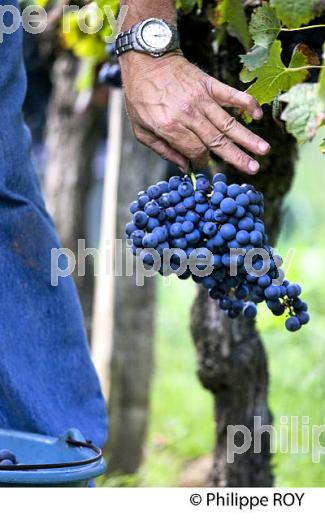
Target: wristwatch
<point x="152" y="36"/>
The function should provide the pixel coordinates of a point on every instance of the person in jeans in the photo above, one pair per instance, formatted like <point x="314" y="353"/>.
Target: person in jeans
<point x="47" y="381"/>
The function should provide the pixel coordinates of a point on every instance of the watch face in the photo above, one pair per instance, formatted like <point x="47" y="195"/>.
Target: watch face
<point x="156" y="35"/>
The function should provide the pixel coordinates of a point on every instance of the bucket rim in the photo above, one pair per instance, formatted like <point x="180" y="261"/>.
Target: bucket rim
<point x="60" y="465"/>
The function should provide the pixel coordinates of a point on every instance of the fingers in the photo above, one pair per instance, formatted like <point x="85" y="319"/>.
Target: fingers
<point x="162" y="148"/>
<point x="186" y="142"/>
<point x="238" y="133"/>
<point x="220" y="145"/>
<point x="230" y="97"/>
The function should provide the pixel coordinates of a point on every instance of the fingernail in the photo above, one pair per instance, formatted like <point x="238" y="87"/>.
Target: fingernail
<point x="253" y="166"/>
<point x="258" y="113"/>
<point x="263" y="146"/>
<point x="182" y="169"/>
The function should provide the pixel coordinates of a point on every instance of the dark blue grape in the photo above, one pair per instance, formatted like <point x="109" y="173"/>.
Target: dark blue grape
<point x="180" y="243"/>
<point x="194" y="237"/>
<point x="192" y="216"/>
<point x="264" y="281"/>
<point x="171" y="213"/>
<point x="200" y="197"/>
<point x="250" y="310"/>
<point x="152" y="224"/>
<point x="110" y="74"/>
<point x="240" y="212"/>
<point x="176" y="230"/>
<point x="228" y="231"/>
<point x="164" y="201"/>
<point x="256" y="238"/>
<point x="246" y="224"/>
<point x="201" y="208"/>
<point x="152" y="208"/>
<point x="163" y="186"/>
<point x="130" y="227"/>
<point x="220" y="187"/>
<point x="142" y="200"/>
<point x="137" y="237"/>
<point x="243" y="237"/>
<point x="225" y="303"/>
<point x="233" y="190"/>
<point x="216" y="199"/>
<point x="242" y="200"/>
<point x="150" y="241"/>
<point x="154" y="192"/>
<point x="219" y="177"/>
<point x="202" y="184"/>
<point x="272" y="292"/>
<point x="189" y="202"/>
<point x="293" y="290"/>
<point x="185" y="189"/>
<point x="209" y="229"/>
<point x="303" y="317"/>
<point x="187" y="226"/>
<point x="174" y="197"/>
<point x="180" y="209"/>
<point x="174" y="182"/>
<point x="228" y="206"/>
<point x="293" y="324"/>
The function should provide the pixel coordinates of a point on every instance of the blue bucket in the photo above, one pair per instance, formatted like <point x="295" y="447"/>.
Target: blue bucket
<point x="67" y="461"/>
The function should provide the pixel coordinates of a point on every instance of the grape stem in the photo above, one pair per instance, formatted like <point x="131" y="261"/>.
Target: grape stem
<point x="191" y="174"/>
<point x="193" y="178"/>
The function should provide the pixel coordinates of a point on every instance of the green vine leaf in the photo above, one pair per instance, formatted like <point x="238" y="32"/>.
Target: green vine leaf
<point x="321" y="91"/>
<point x="304" y="112"/>
<point x="294" y="13"/>
<point x="264" y="29"/>
<point x="255" y="58"/>
<point x="188" y="5"/>
<point x="232" y="12"/>
<point x="274" y="77"/>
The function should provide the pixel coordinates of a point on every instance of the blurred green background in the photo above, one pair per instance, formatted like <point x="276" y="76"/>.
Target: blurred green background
<point x="181" y="424"/>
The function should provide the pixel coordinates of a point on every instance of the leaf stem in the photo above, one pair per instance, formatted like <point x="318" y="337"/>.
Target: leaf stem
<point x="306" y="67"/>
<point x="307" y="27"/>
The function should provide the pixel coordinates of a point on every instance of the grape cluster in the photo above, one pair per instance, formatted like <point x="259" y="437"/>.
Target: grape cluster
<point x="7" y="458"/>
<point x="191" y="214"/>
<point x="110" y="74"/>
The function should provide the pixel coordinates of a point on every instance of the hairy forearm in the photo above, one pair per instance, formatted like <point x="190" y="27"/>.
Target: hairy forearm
<point x="142" y="9"/>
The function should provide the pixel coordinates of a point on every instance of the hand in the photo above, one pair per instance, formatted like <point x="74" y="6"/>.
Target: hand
<point x="176" y="110"/>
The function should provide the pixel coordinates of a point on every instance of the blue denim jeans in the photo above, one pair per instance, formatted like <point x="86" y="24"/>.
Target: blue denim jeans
<point x="47" y="381"/>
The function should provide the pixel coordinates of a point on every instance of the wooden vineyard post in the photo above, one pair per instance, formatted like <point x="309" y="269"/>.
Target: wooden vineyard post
<point x="103" y="316"/>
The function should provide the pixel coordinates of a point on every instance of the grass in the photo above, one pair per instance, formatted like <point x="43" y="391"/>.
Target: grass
<point x="181" y="423"/>
<point x="182" y="414"/>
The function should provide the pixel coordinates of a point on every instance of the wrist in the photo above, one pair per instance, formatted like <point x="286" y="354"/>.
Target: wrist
<point x="144" y="64"/>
